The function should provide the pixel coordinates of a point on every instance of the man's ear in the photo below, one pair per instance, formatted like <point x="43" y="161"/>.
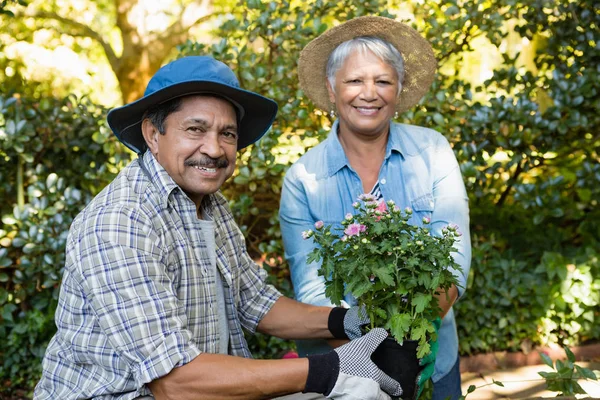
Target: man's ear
<point x="150" y="134"/>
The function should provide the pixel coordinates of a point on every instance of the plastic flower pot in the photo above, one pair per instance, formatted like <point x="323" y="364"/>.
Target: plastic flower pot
<point x="400" y="363"/>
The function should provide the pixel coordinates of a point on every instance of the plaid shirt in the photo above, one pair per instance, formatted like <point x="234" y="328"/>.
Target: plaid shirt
<point x="138" y="296"/>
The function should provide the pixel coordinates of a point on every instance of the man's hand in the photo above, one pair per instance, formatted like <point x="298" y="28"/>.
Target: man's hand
<point x="345" y="323"/>
<point x="428" y="362"/>
<point x="348" y="372"/>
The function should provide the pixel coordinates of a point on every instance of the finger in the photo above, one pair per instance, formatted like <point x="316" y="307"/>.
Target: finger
<point x="390" y="385"/>
<point x="362" y="314"/>
<point x="374" y="338"/>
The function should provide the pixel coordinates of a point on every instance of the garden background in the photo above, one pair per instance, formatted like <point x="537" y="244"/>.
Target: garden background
<point x="517" y="95"/>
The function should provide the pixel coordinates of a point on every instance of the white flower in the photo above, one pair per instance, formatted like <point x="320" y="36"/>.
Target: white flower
<point x="307" y="234"/>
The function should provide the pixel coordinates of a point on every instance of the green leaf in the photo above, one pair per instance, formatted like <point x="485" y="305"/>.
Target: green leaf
<point x="570" y="355"/>
<point x="8" y="220"/>
<point x="586" y="373"/>
<point x="400" y="324"/>
<point x="384" y="275"/>
<point x="546" y="359"/>
<point x="335" y="291"/>
<point x="420" y="301"/>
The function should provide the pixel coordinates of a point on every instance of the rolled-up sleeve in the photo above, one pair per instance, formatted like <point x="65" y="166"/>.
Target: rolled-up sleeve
<point x="123" y="272"/>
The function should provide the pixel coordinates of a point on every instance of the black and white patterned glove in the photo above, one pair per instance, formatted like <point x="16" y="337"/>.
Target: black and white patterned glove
<point x="348" y="373"/>
<point x="345" y="323"/>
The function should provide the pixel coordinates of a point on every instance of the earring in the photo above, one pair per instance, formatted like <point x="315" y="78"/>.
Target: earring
<point x="332" y="113"/>
<point x="396" y="115"/>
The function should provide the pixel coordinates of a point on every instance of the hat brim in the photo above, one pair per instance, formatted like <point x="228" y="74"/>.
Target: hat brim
<point x="419" y="60"/>
<point x="259" y="112"/>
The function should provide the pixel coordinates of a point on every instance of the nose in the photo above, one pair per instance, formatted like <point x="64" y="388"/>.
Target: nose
<point x="369" y="92"/>
<point x="211" y="146"/>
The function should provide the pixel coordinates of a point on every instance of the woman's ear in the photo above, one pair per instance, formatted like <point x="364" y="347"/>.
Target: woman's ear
<point x="150" y="134"/>
<point x="330" y="91"/>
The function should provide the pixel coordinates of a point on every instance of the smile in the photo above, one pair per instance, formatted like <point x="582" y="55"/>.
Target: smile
<point x="367" y="110"/>
<point x="206" y="169"/>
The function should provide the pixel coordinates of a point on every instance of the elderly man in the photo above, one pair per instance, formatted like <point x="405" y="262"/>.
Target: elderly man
<point x="158" y="284"/>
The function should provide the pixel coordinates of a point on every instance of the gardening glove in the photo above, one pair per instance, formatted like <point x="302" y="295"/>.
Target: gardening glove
<point x="348" y="373"/>
<point x="345" y="323"/>
<point x="427" y="363"/>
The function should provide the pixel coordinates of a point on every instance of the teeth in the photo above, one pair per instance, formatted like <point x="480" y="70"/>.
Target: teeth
<point x="206" y="169"/>
<point x="367" y="110"/>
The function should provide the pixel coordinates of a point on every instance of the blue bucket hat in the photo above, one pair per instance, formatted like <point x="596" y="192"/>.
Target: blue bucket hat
<point x="188" y="76"/>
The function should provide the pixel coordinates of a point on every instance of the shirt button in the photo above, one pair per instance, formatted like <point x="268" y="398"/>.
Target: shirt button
<point x="383" y="181"/>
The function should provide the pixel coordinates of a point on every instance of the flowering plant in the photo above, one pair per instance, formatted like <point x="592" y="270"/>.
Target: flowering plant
<point x="393" y="268"/>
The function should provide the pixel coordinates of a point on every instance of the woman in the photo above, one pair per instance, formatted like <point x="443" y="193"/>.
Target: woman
<point x="366" y="71"/>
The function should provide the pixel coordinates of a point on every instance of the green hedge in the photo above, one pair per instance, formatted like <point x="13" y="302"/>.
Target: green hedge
<point x="527" y="143"/>
<point x="56" y="154"/>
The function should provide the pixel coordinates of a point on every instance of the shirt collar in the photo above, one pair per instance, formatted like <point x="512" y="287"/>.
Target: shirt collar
<point x="337" y="157"/>
<point x="157" y="175"/>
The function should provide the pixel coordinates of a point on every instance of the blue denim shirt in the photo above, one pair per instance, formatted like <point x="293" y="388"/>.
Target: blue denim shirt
<point x="419" y="171"/>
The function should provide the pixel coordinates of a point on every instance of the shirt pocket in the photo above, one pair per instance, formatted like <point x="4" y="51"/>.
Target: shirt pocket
<point x="423" y="206"/>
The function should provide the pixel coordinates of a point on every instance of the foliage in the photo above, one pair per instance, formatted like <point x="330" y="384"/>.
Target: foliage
<point x="132" y="37"/>
<point x="392" y="268"/>
<point x="56" y="155"/>
<point x="526" y="137"/>
<point x="563" y="380"/>
<point x="566" y="374"/>
<point x="4" y="3"/>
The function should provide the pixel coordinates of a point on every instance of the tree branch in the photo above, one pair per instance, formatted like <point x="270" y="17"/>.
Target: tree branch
<point x="177" y="32"/>
<point x="78" y="30"/>
<point x="511" y="183"/>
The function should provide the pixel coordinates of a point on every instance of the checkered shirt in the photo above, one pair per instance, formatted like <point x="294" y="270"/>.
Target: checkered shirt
<point x="138" y="296"/>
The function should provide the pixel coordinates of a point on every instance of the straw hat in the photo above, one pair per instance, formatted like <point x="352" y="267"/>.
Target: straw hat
<point x="419" y="60"/>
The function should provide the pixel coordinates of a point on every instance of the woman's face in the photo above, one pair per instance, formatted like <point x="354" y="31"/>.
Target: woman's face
<point x="366" y="91"/>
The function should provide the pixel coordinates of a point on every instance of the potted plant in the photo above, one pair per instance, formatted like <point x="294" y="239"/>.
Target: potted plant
<point x="393" y="268"/>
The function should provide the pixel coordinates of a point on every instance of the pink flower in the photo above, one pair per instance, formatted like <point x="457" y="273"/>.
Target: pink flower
<point x="354" y="229"/>
<point x="426" y="220"/>
<point x="319" y="224"/>
<point x="380" y="209"/>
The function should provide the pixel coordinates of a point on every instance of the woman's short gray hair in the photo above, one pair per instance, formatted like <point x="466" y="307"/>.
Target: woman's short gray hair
<point x="380" y="47"/>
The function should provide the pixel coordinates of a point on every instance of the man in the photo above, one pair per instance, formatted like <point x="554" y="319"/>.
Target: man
<point x="158" y="284"/>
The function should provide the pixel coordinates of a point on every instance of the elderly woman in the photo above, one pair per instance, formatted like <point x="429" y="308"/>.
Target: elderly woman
<point x="366" y="71"/>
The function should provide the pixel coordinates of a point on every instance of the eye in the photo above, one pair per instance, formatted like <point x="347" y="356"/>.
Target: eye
<point x="384" y="82"/>
<point x="353" y="81"/>
<point x="194" y="128"/>
<point x="230" y="134"/>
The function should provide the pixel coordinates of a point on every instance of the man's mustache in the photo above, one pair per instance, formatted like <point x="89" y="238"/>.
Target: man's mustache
<point x="208" y="162"/>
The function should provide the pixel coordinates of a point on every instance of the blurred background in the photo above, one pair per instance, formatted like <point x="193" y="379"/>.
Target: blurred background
<point x="516" y="94"/>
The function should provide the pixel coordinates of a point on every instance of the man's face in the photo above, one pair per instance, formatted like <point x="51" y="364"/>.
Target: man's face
<point x="199" y="145"/>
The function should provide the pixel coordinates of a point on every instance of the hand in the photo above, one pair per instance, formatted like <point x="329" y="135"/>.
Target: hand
<point x="345" y="323"/>
<point x="428" y="362"/>
<point x="348" y="372"/>
<point x="353" y="320"/>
